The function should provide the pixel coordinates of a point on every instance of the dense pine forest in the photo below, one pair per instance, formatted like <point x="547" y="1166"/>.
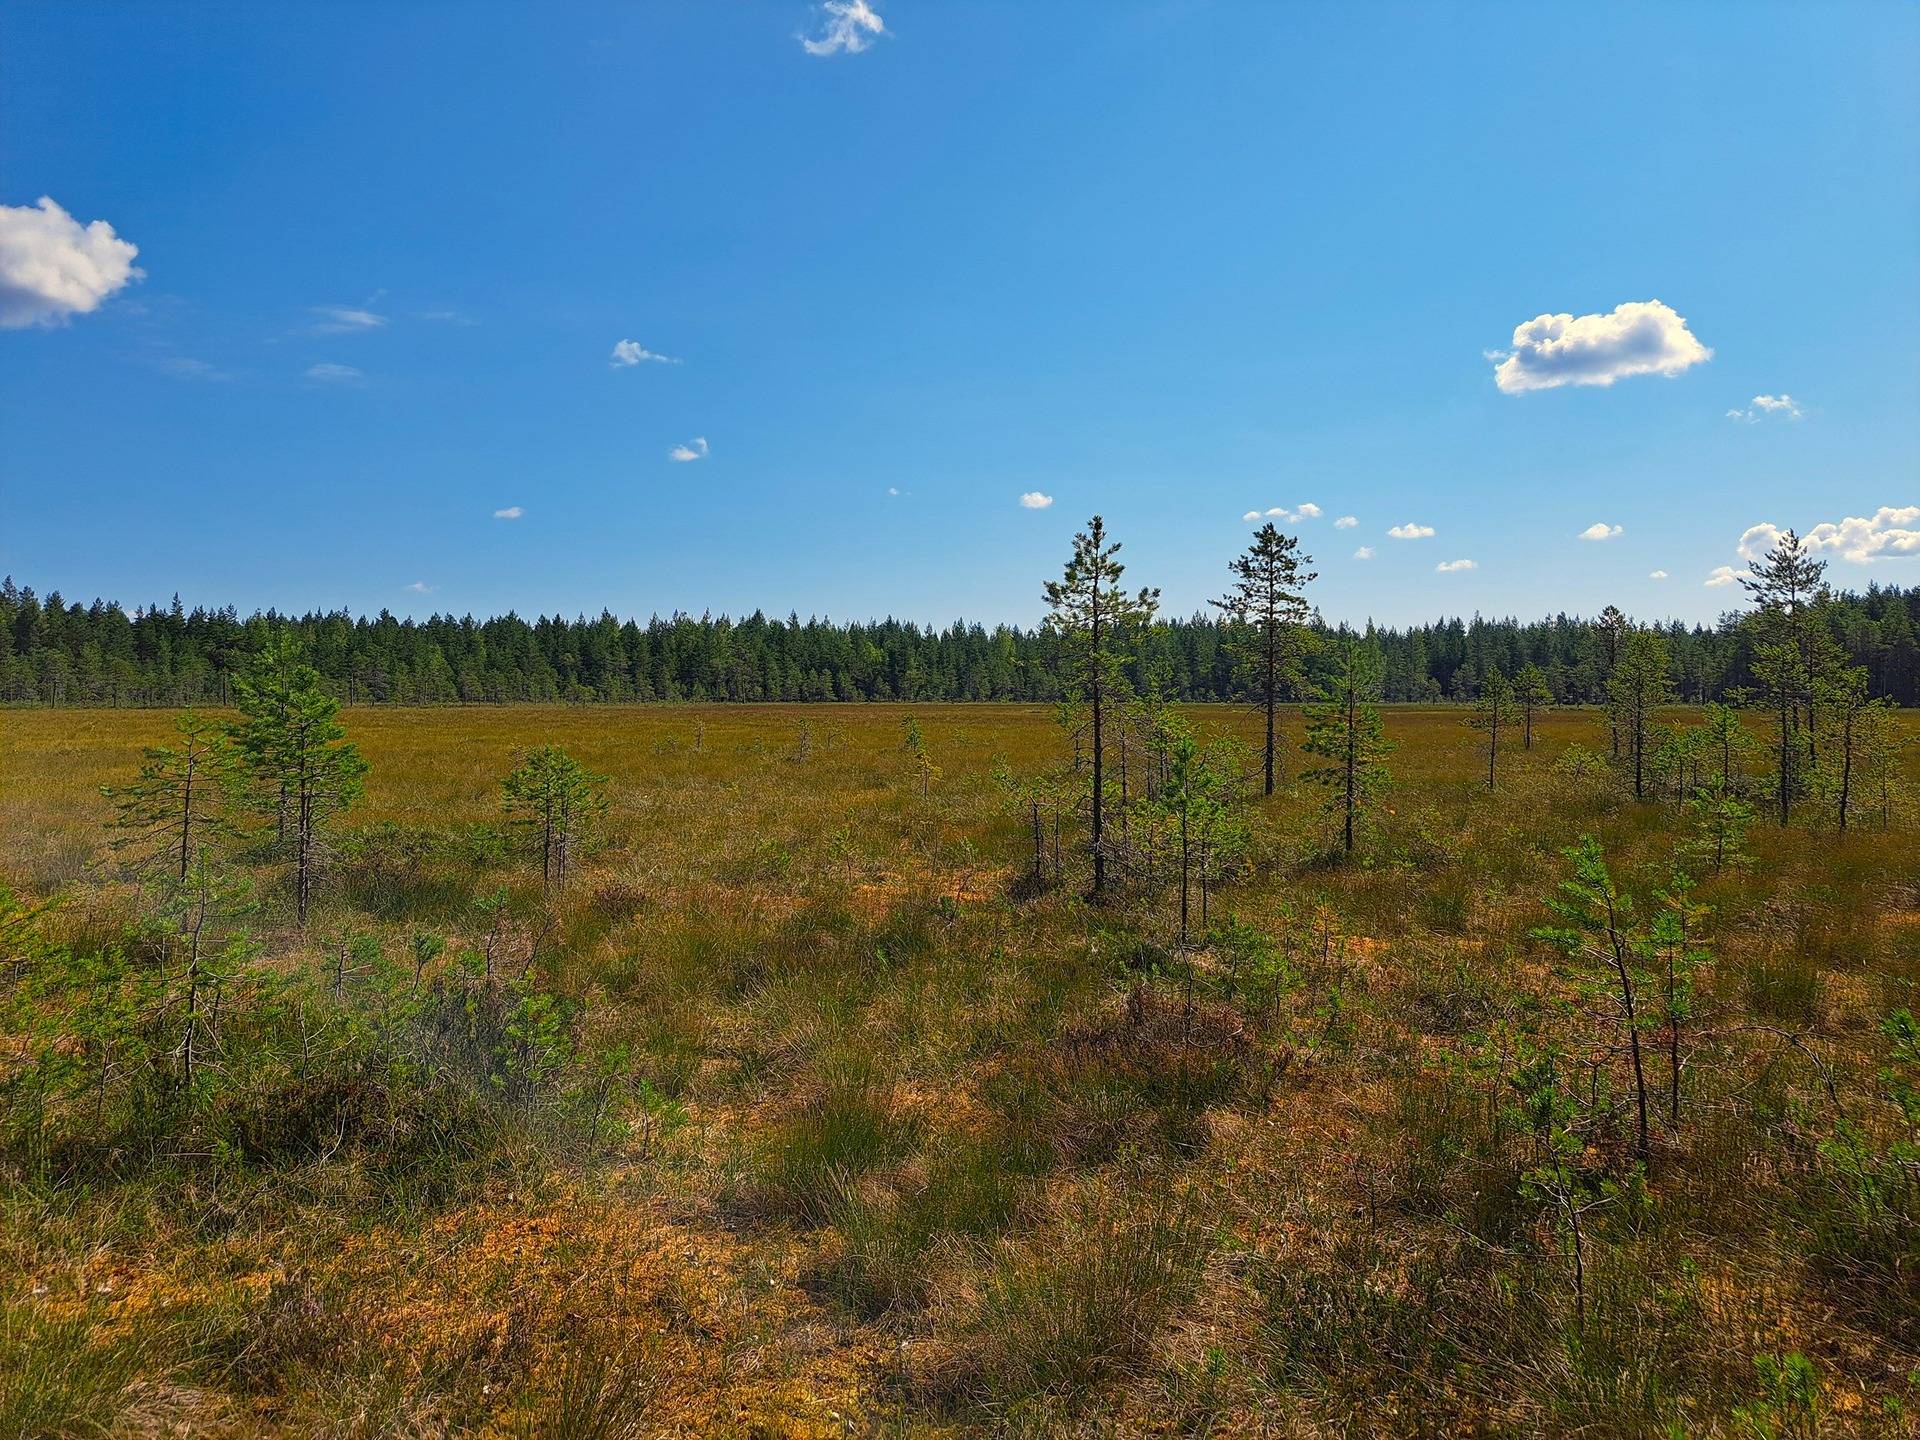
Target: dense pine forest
<point x="60" y="652"/>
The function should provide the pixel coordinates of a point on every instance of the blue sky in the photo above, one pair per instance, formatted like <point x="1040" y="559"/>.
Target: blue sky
<point x="1171" y="262"/>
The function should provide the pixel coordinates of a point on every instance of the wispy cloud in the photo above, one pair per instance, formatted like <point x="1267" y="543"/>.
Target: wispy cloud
<point x="328" y="373"/>
<point x="1411" y="531"/>
<point x="1641" y="337"/>
<point x="512" y="512"/>
<point x="1780" y="407"/>
<point x="1365" y="552"/>
<point x="1449" y="567"/>
<point x="1891" y="532"/>
<point x="185" y="367"/>
<point x="1600" y="530"/>
<point x="695" y="450"/>
<point x="845" y="27"/>
<point x="345" y="320"/>
<point x="632" y="352"/>
<point x="1346" y="522"/>
<point x="1721" y="575"/>
<point x="1656" y="575"/>
<point x="1034" y="500"/>
<point x="420" y="587"/>
<point x="52" y="267"/>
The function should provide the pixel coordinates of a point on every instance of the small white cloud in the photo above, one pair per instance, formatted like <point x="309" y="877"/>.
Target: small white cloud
<point x="1365" y="552"/>
<point x="847" y="26"/>
<point x="1656" y="575"/>
<point x="1448" y="567"/>
<point x="1346" y="522"/>
<point x="345" y="320"/>
<point x="1251" y="516"/>
<point x="1600" y="530"/>
<point x="1411" y="531"/>
<point x="512" y="512"/>
<point x="1641" y="337"/>
<point x="1310" y="511"/>
<point x="420" y="587"/>
<point x="1722" y="575"/>
<point x="632" y="352"/>
<point x="52" y="267"/>
<point x="331" y="374"/>
<point x="1034" y="500"/>
<point x="697" y="450"/>
<point x="1781" y="407"/>
<point x="893" y="490"/>
<point x="1891" y="532"/>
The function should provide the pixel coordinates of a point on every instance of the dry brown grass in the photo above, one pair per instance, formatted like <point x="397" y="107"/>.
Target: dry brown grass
<point x="901" y="1119"/>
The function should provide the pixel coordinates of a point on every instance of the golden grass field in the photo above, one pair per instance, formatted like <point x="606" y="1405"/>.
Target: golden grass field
<point x="883" y="1145"/>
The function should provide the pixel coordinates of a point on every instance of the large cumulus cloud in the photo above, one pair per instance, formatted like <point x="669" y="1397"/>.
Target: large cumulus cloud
<point x="53" y="267"/>
<point x="1641" y="337"/>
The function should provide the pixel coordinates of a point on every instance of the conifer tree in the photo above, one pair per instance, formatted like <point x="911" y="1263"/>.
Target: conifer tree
<point x="1268" y="610"/>
<point x="1641" y="682"/>
<point x="1611" y="628"/>
<point x="553" y="797"/>
<point x="1792" y="655"/>
<point x="1094" y="620"/>
<point x="1532" y="693"/>
<point x="263" y="693"/>
<point x="211" y="953"/>
<point x="292" y="739"/>
<point x="1597" y="929"/>
<point x="1344" y="730"/>
<point x="1493" y="711"/>
<point x="1727" y="741"/>
<point x="178" y="802"/>
<point x="1859" y="755"/>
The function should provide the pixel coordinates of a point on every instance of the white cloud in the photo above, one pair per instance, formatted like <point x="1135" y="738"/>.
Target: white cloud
<point x="1034" y="500"/>
<point x="1783" y="407"/>
<point x="893" y="490"/>
<point x="1365" y="552"/>
<point x="632" y="352"/>
<point x="53" y="267"/>
<point x="420" y="587"/>
<point x="1306" y="511"/>
<point x="1641" y="337"/>
<point x="1891" y="532"/>
<point x="1722" y="575"/>
<point x="1411" y="531"/>
<point x="1346" y="522"/>
<point x="1600" y="530"/>
<point x="512" y="512"/>
<point x="345" y="320"/>
<point x="1656" y="575"/>
<point x="1756" y="540"/>
<point x="1448" y="567"/>
<point x="697" y="450"/>
<point x="330" y="374"/>
<point x="845" y="25"/>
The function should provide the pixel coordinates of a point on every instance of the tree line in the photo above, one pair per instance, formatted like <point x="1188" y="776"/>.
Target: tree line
<point x="59" y="652"/>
